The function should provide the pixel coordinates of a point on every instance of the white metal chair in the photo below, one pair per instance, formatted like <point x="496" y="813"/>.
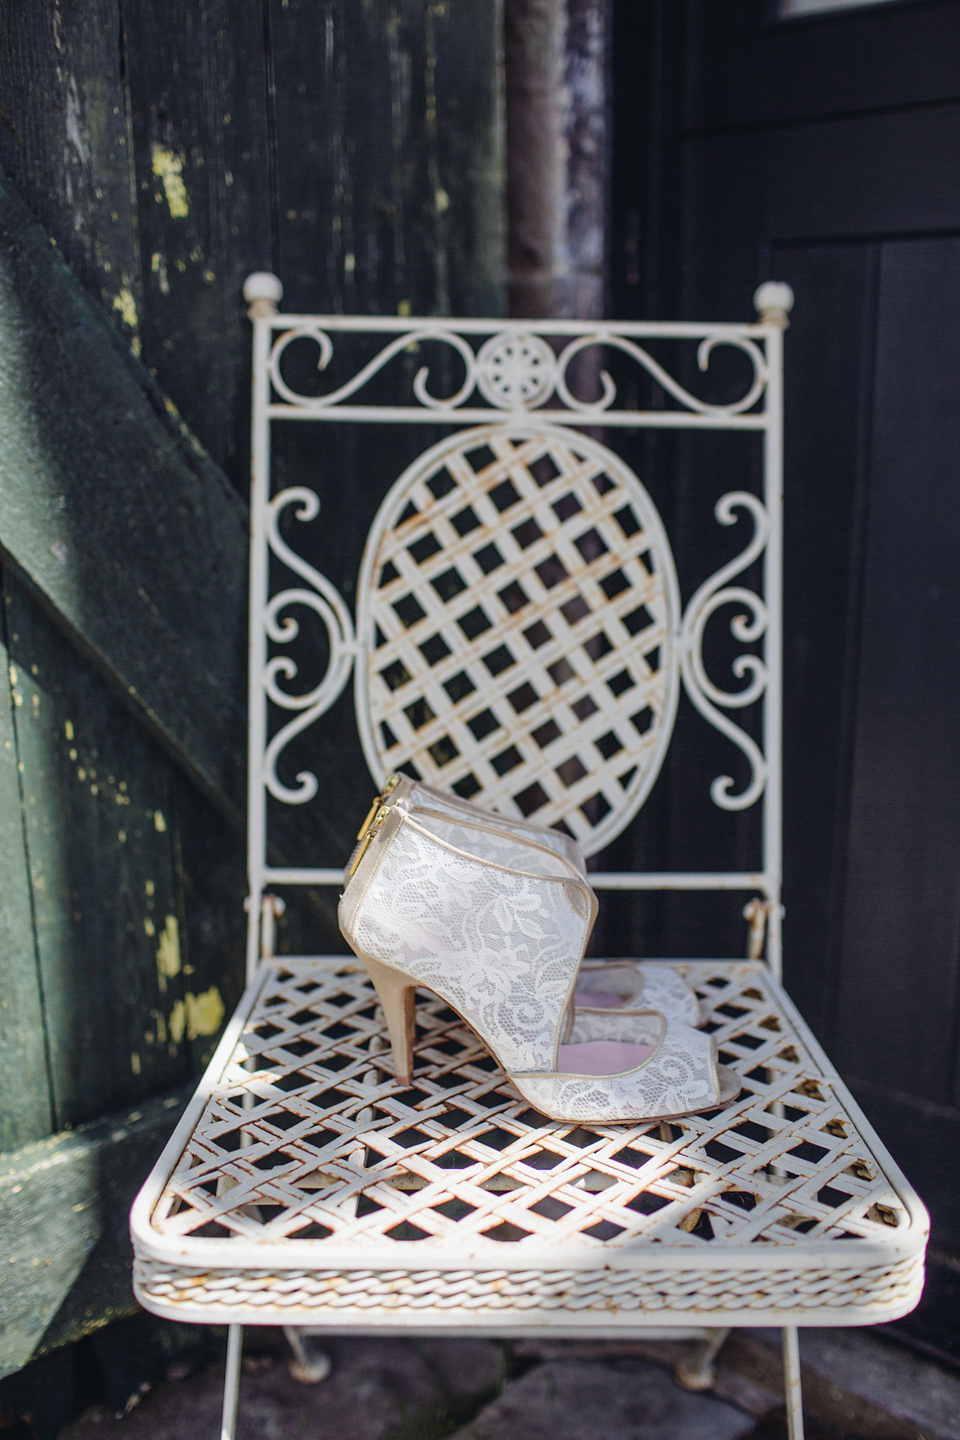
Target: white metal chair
<point x="520" y="637"/>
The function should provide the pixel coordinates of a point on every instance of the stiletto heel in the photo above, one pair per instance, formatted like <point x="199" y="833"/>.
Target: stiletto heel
<point x="502" y="946"/>
<point x="398" y="998"/>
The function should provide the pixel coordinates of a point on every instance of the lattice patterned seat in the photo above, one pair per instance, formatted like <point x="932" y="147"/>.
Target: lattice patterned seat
<point x="463" y="1199"/>
<point x="520" y="638"/>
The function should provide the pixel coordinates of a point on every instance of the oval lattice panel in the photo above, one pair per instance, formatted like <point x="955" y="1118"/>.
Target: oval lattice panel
<point x="518" y="608"/>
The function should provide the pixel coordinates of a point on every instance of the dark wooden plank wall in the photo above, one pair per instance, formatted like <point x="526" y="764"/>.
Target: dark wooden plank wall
<point x="818" y="152"/>
<point x="168" y="151"/>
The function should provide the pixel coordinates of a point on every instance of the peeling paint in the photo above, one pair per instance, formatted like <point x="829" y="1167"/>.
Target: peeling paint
<point x="159" y="267"/>
<point x="168" y="950"/>
<point x="159" y="823"/>
<point x="196" y="1015"/>
<point x="168" y="169"/>
<point x="148" y="927"/>
<point x="204" y="1013"/>
<point x="68" y="729"/>
<point x="177" y="1022"/>
<point x="126" y="307"/>
<point x="73" y="122"/>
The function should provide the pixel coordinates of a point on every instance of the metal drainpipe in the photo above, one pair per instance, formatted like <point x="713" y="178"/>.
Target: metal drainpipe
<point x="556" y="60"/>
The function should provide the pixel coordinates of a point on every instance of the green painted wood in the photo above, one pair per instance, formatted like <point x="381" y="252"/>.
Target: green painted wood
<point x="389" y="164"/>
<point x="115" y="516"/>
<point x="197" y="78"/>
<point x="210" y="873"/>
<point x="25" y="1112"/>
<point x="64" y="142"/>
<point x="100" y="840"/>
<point x="65" y="1250"/>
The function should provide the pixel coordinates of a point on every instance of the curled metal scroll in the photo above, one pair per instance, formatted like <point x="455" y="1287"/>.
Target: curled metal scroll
<point x="372" y="368"/>
<point x="747" y="626"/>
<point x="662" y="377"/>
<point x="485" y="371"/>
<point x="283" y="627"/>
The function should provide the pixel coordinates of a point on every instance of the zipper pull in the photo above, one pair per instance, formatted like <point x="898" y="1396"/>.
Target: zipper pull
<point x="371" y="830"/>
<point x="389" y="785"/>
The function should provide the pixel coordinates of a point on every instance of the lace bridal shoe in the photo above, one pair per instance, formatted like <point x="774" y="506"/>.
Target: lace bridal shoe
<point x="603" y="988"/>
<point x="502" y="945"/>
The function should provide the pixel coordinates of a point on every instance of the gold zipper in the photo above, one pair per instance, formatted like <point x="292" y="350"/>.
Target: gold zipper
<point x="368" y="835"/>
<point x="389" y="785"/>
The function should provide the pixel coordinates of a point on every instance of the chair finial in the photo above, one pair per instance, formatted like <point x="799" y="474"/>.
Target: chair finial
<point x="774" y="301"/>
<point x="263" y="293"/>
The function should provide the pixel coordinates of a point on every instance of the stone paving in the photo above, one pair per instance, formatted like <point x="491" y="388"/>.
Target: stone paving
<point x="858" y="1388"/>
<point x="620" y="1399"/>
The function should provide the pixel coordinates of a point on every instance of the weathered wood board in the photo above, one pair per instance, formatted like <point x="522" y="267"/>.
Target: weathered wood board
<point x="121" y="524"/>
<point x="65" y="1254"/>
<point x="25" y="1110"/>
<point x="357" y="151"/>
<point x="199" y="132"/>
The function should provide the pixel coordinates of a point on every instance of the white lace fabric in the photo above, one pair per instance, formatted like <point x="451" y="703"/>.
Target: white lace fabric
<point x="499" y="847"/>
<point x="417" y="796"/>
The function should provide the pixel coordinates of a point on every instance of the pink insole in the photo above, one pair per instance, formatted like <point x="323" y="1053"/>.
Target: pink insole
<point x="599" y="1000"/>
<point x="601" y="1057"/>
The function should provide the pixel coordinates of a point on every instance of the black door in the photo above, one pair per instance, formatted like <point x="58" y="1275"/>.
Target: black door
<point x="824" y="150"/>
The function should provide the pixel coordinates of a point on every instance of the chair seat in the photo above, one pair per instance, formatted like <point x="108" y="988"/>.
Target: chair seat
<point x="305" y="1186"/>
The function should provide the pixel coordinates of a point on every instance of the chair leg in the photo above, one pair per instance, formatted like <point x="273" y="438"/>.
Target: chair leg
<point x="231" y="1382"/>
<point x="791" y="1382"/>
<point x="309" y="1366"/>
<point x="695" y="1371"/>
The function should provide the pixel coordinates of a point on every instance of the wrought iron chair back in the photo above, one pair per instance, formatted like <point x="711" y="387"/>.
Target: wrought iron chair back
<point x="519" y="634"/>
